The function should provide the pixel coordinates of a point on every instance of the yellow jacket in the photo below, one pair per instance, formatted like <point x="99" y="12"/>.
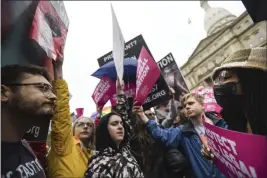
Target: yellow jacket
<point x="66" y="158"/>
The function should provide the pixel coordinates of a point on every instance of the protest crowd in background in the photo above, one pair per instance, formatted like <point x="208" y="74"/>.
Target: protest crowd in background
<point x="155" y="127"/>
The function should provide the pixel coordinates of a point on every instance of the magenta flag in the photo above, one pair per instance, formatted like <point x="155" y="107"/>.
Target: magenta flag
<point x="104" y="91"/>
<point x="79" y="112"/>
<point x="210" y="103"/>
<point x="147" y="74"/>
<point x="238" y="154"/>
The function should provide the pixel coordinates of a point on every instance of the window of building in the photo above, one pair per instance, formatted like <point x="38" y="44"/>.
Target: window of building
<point x="259" y="36"/>
<point x="250" y="43"/>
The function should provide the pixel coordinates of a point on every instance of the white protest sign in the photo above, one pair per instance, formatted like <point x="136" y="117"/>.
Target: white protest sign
<point x="118" y="45"/>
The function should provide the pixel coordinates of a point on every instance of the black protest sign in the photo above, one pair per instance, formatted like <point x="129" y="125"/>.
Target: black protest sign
<point x="159" y="94"/>
<point x="173" y="75"/>
<point x="133" y="47"/>
<point x="15" y="45"/>
<point x="38" y="131"/>
<point x="256" y="9"/>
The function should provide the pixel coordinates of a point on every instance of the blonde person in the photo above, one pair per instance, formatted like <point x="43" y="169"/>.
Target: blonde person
<point x="71" y="148"/>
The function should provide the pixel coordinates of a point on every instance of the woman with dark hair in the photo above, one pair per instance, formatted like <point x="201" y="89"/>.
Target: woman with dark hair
<point x="114" y="159"/>
<point x="240" y="87"/>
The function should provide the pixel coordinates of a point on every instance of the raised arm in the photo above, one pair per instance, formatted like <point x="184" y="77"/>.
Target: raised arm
<point x="168" y="137"/>
<point x="122" y="108"/>
<point x="61" y="133"/>
<point x="167" y="123"/>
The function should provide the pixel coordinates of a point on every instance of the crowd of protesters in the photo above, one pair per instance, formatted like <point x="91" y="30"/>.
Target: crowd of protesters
<point x="128" y="142"/>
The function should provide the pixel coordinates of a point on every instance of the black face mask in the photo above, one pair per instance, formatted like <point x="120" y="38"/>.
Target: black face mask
<point x="225" y="94"/>
<point x="231" y="103"/>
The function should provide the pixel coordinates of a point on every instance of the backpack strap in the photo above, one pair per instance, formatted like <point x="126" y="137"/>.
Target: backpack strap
<point x="28" y="147"/>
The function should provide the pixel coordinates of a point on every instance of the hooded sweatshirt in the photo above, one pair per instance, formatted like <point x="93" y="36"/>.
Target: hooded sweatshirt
<point x="110" y="161"/>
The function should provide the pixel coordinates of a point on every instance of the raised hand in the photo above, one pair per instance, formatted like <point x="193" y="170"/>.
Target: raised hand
<point x="119" y="86"/>
<point x="171" y="92"/>
<point x="58" y="72"/>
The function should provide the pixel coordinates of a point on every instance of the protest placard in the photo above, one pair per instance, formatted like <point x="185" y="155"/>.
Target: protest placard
<point x="146" y="76"/>
<point x="50" y="27"/>
<point x="173" y="75"/>
<point x="118" y="45"/>
<point x="38" y="131"/>
<point x="238" y="154"/>
<point x="103" y="91"/>
<point x="159" y="92"/>
<point x="210" y="103"/>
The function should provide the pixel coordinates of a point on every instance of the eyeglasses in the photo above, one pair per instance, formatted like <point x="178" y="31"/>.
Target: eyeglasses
<point x="44" y="87"/>
<point x="222" y="76"/>
<point x="82" y="124"/>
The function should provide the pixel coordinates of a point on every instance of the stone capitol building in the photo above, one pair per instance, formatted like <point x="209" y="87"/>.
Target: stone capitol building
<point x="226" y="34"/>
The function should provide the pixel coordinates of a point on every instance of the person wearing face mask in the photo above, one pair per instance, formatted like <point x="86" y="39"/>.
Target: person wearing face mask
<point x="113" y="134"/>
<point x="71" y="148"/>
<point x="240" y="88"/>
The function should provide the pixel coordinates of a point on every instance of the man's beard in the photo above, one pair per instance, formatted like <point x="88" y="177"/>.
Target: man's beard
<point x="27" y="109"/>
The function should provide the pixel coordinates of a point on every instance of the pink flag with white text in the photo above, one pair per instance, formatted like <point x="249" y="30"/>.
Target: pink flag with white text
<point x="210" y="103"/>
<point x="147" y="74"/>
<point x="103" y="91"/>
<point x="238" y="154"/>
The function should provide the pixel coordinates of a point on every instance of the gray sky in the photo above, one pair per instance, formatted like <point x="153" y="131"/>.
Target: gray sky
<point x="164" y="26"/>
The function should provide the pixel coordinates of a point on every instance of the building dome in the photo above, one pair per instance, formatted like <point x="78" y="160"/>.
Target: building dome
<point x="215" y="18"/>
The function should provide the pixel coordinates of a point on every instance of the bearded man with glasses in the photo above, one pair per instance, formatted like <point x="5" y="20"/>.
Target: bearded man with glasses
<point x="26" y="97"/>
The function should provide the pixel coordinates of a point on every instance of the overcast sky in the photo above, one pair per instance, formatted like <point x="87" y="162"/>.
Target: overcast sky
<point x="164" y="26"/>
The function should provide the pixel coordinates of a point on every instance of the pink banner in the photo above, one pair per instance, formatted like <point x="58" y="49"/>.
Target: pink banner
<point x="238" y="154"/>
<point x="210" y="103"/>
<point x="129" y="91"/>
<point x="147" y="74"/>
<point x="104" y="91"/>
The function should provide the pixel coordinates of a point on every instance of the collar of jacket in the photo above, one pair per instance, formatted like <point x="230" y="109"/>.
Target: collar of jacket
<point x="189" y="129"/>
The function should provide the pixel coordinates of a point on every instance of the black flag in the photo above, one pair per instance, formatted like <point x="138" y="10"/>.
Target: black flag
<point x="257" y="9"/>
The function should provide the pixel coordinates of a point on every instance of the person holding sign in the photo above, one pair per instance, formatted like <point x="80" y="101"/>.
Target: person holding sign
<point x="71" y="148"/>
<point x="26" y="96"/>
<point x="113" y="134"/>
<point x="188" y="136"/>
<point x="240" y="87"/>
